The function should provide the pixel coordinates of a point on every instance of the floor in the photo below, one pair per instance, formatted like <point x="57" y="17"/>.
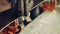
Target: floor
<point x="46" y="23"/>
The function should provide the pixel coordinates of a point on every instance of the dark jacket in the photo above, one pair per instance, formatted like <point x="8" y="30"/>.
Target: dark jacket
<point x="8" y="16"/>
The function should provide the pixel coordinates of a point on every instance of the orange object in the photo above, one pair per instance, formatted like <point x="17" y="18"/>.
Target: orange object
<point x="50" y="6"/>
<point x="12" y="28"/>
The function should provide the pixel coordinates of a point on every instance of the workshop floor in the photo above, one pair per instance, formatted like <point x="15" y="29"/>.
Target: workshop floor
<point x="46" y="23"/>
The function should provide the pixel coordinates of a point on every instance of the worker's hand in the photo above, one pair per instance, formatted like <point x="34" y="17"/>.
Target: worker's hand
<point x="10" y="32"/>
<point x="28" y="19"/>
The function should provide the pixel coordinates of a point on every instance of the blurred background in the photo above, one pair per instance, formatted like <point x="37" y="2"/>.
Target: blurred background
<point x="15" y="15"/>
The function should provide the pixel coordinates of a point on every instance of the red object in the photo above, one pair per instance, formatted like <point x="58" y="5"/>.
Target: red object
<point x="49" y="7"/>
<point x="12" y="28"/>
